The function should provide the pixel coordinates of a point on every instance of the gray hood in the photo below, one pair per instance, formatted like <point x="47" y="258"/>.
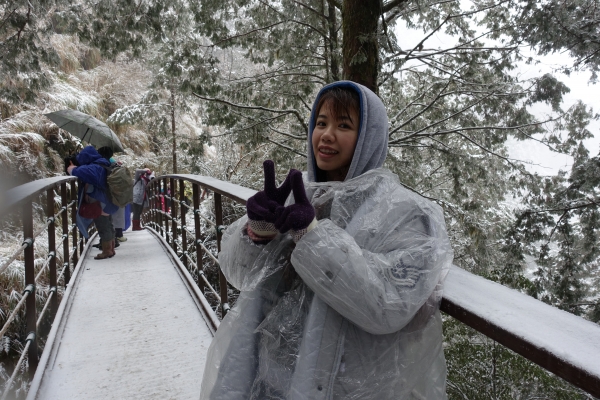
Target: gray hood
<point x="371" y="147"/>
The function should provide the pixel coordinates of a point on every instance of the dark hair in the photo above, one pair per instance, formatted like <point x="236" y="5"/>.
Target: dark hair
<point x="72" y="158"/>
<point x="106" y="152"/>
<point x="340" y="101"/>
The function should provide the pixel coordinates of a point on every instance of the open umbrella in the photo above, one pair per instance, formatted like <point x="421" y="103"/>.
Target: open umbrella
<point x="86" y="127"/>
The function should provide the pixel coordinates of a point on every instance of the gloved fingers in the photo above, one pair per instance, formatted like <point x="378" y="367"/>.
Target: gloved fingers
<point x="284" y="190"/>
<point x="255" y="210"/>
<point x="270" y="185"/>
<point x="258" y="207"/>
<point x="298" y="189"/>
<point x="283" y="222"/>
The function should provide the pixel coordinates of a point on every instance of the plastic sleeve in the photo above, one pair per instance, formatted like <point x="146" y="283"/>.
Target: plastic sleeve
<point x="378" y="291"/>
<point x="238" y="254"/>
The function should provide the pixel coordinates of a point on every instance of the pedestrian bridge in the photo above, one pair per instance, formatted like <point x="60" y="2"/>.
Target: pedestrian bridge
<point x="138" y="325"/>
<point x="134" y="326"/>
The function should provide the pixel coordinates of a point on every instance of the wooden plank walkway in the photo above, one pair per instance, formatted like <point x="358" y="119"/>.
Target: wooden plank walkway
<point x="131" y="328"/>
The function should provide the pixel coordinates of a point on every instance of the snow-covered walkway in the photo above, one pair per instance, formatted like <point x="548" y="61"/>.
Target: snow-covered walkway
<point x="130" y="329"/>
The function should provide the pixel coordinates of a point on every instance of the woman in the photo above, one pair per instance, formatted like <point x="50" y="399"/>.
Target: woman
<point x="346" y="306"/>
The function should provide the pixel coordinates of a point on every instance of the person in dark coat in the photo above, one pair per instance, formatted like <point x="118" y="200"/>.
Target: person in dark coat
<point x="118" y="218"/>
<point x="92" y="174"/>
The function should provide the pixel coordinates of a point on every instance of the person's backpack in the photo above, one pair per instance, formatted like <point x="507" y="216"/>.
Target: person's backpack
<point x="120" y="184"/>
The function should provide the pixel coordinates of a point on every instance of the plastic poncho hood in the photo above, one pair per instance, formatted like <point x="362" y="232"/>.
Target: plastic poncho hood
<point x="371" y="145"/>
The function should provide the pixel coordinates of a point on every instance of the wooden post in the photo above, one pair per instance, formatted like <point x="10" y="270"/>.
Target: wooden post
<point x="196" y="194"/>
<point x="30" y="286"/>
<point x="167" y="202"/>
<point x="65" y="226"/>
<point x="52" y="251"/>
<point x="222" y="280"/>
<point x="183" y="211"/>
<point x="173" y="214"/>
<point x="74" y="222"/>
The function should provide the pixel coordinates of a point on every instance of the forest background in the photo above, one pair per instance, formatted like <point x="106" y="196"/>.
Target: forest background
<point x="215" y="87"/>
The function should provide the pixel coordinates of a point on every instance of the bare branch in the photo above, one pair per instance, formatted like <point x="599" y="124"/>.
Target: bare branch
<point x="295" y="21"/>
<point x="244" y="34"/>
<point x="288" y="148"/>
<point x="431" y="103"/>
<point x="394" y="3"/>
<point x="260" y="108"/>
<point x="458" y="130"/>
<point x="287" y="134"/>
<point x="319" y="14"/>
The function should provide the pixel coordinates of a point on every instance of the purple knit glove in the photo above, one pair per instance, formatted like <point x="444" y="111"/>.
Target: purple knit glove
<point x="267" y="204"/>
<point x="300" y="216"/>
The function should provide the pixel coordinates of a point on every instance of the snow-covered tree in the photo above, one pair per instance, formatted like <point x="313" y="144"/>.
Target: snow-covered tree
<point x="181" y="66"/>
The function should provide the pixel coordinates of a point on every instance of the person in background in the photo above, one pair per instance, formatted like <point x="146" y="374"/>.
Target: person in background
<point x="140" y="198"/>
<point x="340" y="273"/>
<point x="90" y="170"/>
<point x="118" y="218"/>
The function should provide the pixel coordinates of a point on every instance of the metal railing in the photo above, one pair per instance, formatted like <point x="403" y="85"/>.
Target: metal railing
<point x="170" y="222"/>
<point x="463" y="292"/>
<point x="22" y="199"/>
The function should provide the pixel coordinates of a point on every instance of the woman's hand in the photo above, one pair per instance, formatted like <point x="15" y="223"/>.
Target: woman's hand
<point x="71" y="167"/>
<point x="298" y="217"/>
<point x="267" y="204"/>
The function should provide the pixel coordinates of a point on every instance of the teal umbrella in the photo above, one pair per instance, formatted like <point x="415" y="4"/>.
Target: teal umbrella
<point x="87" y="128"/>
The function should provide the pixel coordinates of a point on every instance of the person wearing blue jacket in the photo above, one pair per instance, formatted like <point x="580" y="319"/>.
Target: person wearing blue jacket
<point x="92" y="173"/>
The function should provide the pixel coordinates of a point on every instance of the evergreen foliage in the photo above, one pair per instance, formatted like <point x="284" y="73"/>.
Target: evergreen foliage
<point x="240" y="75"/>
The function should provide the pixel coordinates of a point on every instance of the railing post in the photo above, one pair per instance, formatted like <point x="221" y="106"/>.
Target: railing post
<point x="162" y="199"/>
<point x="173" y="214"/>
<point x="156" y="191"/>
<point x="222" y="280"/>
<point x="30" y="283"/>
<point x="196" y="198"/>
<point x="52" y="251"/>
<point x="183" y="210"/>
<point x="168" y="201"/>
<point x="74" y="221"/>
<point x="65" y="226"/>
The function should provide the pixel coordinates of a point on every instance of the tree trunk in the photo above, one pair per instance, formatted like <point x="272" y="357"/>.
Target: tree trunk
<point x="359" y="44"/>
<point x="173" y="130"/>
<point x="333" y="41"/>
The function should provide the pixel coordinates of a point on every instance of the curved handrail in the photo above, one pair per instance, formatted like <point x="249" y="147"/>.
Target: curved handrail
<point x="30" y="190"/>
<point x="235" y="192"/>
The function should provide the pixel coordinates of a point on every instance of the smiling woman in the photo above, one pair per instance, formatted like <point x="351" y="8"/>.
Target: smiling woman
<point x="336" y="133"/>
<point x="340" y="273"/>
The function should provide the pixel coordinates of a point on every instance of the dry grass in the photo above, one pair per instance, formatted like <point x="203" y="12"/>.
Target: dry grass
<point x="66" y="47"/>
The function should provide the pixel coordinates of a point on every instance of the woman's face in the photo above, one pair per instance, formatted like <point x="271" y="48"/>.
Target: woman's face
<point x="333" y="141"/>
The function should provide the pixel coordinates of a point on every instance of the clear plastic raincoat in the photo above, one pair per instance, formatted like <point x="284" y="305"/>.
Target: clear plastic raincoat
<point x="352" y="310"/>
